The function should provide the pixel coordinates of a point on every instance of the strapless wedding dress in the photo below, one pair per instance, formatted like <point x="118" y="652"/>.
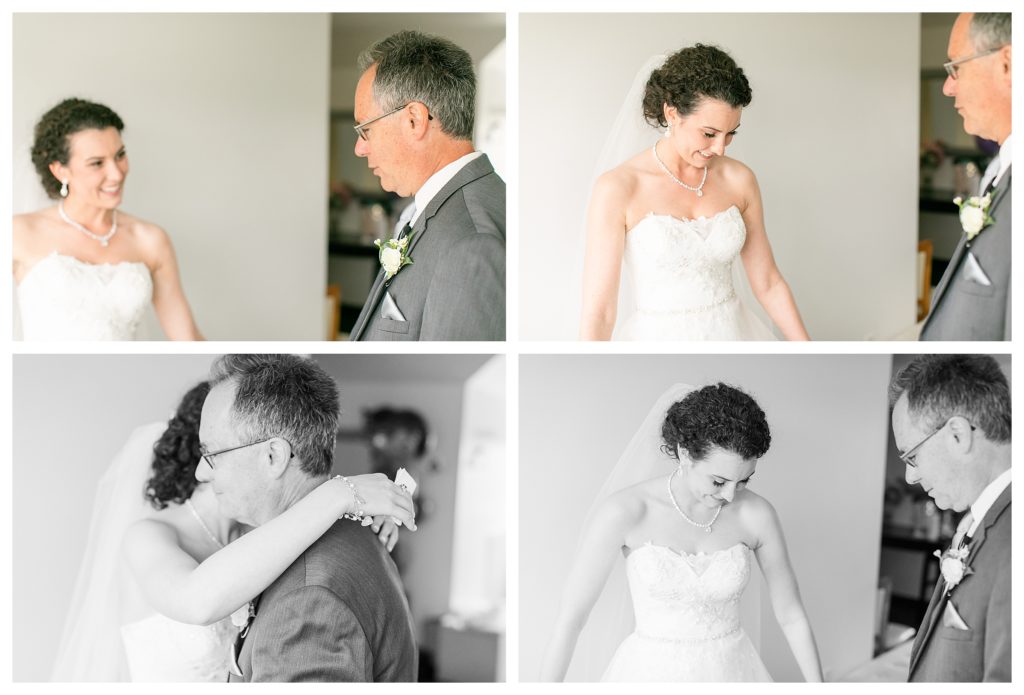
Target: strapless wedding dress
<point x="63" y="298"/>
<point x="687" y="618"/>
<point x="163" y="650"/>
<point x="682" y="277"/>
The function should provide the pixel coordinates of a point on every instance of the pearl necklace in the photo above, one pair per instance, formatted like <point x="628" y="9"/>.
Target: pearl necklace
<point x="104" y="239"/>
<point x="708" y="525"/>
<point x="697" y="190"/>
<point x="209" y="533"/>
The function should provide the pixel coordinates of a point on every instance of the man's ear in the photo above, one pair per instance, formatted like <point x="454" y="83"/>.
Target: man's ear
<point x="417" y="118"/>
<point x="963" y="435"/>
<point x="279" y="456"/>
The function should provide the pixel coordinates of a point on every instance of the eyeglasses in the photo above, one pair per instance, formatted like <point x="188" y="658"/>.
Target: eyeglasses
<point x="953" y="66"/>
<point x="209" y="457"/>
<point x="360" y="127"/>
<point x="909" y="458"/>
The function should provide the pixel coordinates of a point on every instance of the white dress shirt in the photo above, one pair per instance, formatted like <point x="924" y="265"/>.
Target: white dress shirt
<point x="1002" y="161"/>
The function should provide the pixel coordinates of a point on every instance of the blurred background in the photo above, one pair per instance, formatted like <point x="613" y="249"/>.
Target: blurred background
<point x="860" y="539"/>
<point x="440" y="416"/>
<point x="239" y="132"/>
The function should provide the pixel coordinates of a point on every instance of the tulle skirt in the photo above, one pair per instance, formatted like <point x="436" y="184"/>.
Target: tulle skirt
<point x="731" y="320"/>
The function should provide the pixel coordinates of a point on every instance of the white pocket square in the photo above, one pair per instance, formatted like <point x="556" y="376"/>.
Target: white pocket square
<point x="950" y="618"/>
<point x="390" y="310"/>
<point x="974" y="273"/>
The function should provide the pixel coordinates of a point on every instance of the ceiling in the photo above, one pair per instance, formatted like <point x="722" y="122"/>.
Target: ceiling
<point x="478" y="33"/>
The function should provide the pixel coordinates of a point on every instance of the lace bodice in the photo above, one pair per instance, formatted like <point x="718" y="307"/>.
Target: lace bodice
<point x="687" y="618"/>
<point x="684" y="265"/>
<point x="163" y="650"/>
<point x="681" y="272"/>
<point x="63" y="298"/>
<point x="680" y="597"/>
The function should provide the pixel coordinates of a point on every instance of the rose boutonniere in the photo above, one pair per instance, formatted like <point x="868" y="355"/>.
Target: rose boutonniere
<point x="393" y="255"/>
<point x="953" y="565"/>
<point x="974" y="215"/>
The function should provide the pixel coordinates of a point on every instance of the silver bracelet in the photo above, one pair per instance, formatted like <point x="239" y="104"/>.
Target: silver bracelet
<point x="359" y="513"/>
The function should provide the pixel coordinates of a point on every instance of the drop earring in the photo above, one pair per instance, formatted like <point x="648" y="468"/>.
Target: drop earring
<point x="668" y="131"/>
<point x="64" y="188"/>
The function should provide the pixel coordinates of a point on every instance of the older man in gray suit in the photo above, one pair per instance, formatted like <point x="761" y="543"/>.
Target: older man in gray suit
<point x="972" y="301"/>
<point x="951" y="421"/>
<point x="442" y="277"/>
<point x="338" y="612"/>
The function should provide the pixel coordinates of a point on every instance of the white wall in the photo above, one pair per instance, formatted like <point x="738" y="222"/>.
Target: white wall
<point x="226" y="119"/>
<point x="823" y="473"/>
<point x="831" y="135"/>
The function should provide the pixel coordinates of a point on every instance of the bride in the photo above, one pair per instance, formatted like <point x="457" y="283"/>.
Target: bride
<point x="687" y="539"/>
<point x="84" y="270"/>
<point x="678" y="213"/>
<point x="166" y="581"/>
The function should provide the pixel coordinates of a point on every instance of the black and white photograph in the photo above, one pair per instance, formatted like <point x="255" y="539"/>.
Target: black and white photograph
<point x="761" y="177"/>
<point x="839" y="477"/>
<point x="259" y="518"/>
<point x="341" y="174"/>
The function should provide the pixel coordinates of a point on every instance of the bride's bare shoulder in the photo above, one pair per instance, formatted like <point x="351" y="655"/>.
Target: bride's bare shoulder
<point x="631" y="503"/>
<point x="623" y="180"/>
<point x="28" y="222"/>
<point x="736" y="173"/>
<point x="157" y="529"/>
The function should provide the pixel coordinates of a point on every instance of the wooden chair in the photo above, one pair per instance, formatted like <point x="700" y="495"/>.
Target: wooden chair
<point x="925" y="249"/>
<point x="333" y="308"/>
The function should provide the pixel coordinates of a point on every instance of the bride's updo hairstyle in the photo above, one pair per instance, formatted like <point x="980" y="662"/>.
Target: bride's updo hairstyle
<point x="716" y="416"/>
<point x="690" y="76"/>
<point x="53" y="135"/>
<point x="176" y="453"/>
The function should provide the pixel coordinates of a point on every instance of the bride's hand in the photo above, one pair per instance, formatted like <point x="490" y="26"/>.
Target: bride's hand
<point x="387" y="531"/>
<point x="381" y="498"/>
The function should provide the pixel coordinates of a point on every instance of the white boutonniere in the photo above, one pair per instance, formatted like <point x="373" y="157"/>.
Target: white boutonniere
<point x="953" y="565"/>
<point x="974" y="215"/>
<point x="393" y="255"/>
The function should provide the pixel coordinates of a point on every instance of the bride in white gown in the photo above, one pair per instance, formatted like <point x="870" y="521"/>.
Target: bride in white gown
<point x="679" y="213"/>
<point x="165" y="582"/>
<point x="84" y="270"/>
<point x="687" y="538"/>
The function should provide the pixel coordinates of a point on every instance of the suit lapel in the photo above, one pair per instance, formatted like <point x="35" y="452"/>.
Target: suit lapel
<point x="938" y="602"/>
<point x="961" y="247"/>
<point x="478" y="168"/>
<point x="930" y="616"/>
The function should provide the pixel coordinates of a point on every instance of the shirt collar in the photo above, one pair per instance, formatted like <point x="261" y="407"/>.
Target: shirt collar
<point x="432" y="186"/>
<point x="987" y="498"/>
<point x="1005" y="155"/>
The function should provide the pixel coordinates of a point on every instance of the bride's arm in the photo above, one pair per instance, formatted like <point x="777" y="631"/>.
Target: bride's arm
<point x="201" y="593"/>
<point x="766" y="281"/>
<point x="601" y="543"/>
<point x="169" y="302"/>
<point x="602" y="261"/>
<point x="782" y="587"/>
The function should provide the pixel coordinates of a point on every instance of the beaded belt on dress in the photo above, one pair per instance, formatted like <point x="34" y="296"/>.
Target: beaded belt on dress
<point x="687" y="640"/>
<point x="691" y="310"/>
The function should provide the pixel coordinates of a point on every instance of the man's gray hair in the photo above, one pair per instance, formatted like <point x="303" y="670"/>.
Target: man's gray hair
<point x="284" y="396"/>
<point x="990" y="30"/>
<point x="941" y="386"/>
<point x="412" y="66"/>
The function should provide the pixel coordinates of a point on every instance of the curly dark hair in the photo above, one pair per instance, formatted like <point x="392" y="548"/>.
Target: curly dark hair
<point x="53" y="135"/>
<point x="717" y="415"/>
<point x="691" y="75"/>
<point x="176" y="453"/>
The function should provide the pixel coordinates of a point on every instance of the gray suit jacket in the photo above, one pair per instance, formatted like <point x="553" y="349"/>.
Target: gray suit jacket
<point x="338" y="613"/>
<point x="981" y="653"/>
<point x="455" y="287"/>
<point x="963" y="309"/>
